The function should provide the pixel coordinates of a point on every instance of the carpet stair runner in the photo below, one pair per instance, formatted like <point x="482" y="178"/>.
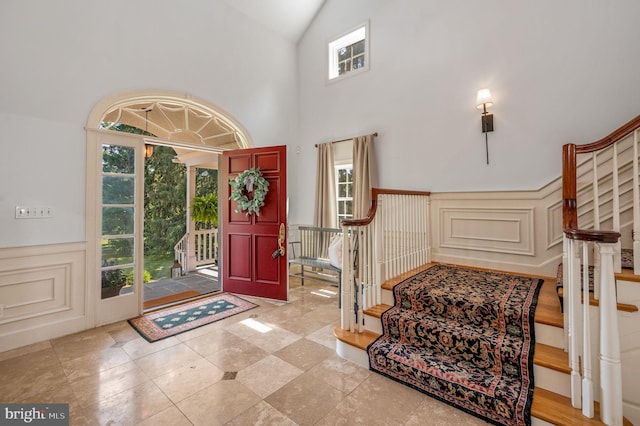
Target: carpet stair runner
<point x="465" y="337"/>
<point x="547" y="405"/>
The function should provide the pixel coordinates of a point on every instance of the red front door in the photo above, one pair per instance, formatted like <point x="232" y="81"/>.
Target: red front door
<point x="249" y="241"/>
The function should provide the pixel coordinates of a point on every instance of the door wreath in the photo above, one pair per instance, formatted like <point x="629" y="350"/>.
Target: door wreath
<point x="249" y="181"/>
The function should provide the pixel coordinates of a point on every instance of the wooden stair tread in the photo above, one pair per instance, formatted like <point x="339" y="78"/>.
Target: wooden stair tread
<point x="624" y="307"/>
<point x="548" y="310"/>
<point x="390" y="283"/>
<point x="377" y="310"/>
<point x="358" y="340"/>
<point x="551" y="357"/>
<point x="557" y="409"/>
<point x="627" y="275"/>
<point x="544" y="355"/>
<point x="546" y="405"/>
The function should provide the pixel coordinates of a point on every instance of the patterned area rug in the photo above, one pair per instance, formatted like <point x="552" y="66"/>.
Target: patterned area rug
<point x="169" y="322"/>
<point x="465" y="337"/>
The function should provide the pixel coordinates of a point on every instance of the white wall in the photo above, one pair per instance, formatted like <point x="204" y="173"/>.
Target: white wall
<point x="60" y="58"/>
<point x="559" y="72"/>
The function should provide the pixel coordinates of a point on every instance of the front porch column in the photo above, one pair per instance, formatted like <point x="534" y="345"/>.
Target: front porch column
<point x="191" y="226"/>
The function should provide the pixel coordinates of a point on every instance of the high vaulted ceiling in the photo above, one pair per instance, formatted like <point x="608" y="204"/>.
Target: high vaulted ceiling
<point x="290" y="18"/>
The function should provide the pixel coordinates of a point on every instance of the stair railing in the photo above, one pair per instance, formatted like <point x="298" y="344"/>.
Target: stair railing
<point x="597" y="193"/>
<point x="393" y="239"/>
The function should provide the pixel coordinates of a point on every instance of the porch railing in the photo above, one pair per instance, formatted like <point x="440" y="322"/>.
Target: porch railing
<point x="198" y="249"/>
<point x="391" y="240"/>
<point x="205" y="244"/>
<point x="600" y="190"/>
<point x="180" y="252"/>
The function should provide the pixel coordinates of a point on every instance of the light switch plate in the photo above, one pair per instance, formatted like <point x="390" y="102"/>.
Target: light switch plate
<point x="33" y="212"/>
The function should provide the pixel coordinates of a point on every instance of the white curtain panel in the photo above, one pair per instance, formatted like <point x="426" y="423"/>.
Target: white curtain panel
<point x="325" y="210"/>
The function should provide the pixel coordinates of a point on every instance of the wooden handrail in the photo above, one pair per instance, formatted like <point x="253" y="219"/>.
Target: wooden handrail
<point x="612" y="138"/>
<point x="374" y="204"/>
<point x="609" y="237"/>
<point x="569" y="189"/>
<point x="569" y="175"/>
<point x="577" y="318"/>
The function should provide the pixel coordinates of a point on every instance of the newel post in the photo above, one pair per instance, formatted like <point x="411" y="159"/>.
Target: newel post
<point x="610" y="367"/>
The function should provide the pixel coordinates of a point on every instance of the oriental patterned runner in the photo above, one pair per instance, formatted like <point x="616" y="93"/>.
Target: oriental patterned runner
<point x="169" y="322"/>
<point x="465" y="337"/>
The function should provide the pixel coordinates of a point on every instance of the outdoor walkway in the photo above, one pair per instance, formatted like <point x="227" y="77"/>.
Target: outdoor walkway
<point x="203" y="281"/>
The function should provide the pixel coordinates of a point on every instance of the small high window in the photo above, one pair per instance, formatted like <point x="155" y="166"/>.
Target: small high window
<point x="349" y="53"/>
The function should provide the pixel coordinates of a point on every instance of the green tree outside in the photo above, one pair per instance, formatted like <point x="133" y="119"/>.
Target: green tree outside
<point x="165" y="210"/>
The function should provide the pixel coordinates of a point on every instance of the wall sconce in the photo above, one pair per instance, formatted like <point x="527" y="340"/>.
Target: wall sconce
<point x="483" y="101"/>
<point x="148" y="151"/>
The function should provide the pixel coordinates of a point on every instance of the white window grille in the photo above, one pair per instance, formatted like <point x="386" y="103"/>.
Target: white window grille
<point x="349" y="53"/>
<point x="344" y="182"/>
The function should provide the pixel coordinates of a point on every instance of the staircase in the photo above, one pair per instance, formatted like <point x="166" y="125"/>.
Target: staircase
<point x="551" y="401"/>
<point x="575" y="363"/>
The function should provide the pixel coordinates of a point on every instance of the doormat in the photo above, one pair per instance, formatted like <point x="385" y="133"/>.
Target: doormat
<point x="148" y="304"/>
<point x="165" y="323"/>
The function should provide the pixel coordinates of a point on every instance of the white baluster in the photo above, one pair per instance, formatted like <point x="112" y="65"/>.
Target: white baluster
<point x="636" y="206"/>
<point x="587" y="384"/>
<point x="347" y="313"/>
<point x="610" y="367"/>
<point x="361" y="245"/>
<point x="616" y="210"/>
<point x="566" y="243"/>
<point x="427" y="233"/>
<point x="380" y="274"/>
<point x="574" y="330"/>
<point x="596" y="225"/>
<point x="370" y="264"/>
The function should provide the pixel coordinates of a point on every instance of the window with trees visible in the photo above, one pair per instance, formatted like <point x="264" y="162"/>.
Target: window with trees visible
<point x="344" y="181"/>
<point x="165" y="208"/>
<point x="349" y="53"/>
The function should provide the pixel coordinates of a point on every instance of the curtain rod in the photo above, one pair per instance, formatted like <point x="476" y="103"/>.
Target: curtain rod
<point x="348" y="139"/>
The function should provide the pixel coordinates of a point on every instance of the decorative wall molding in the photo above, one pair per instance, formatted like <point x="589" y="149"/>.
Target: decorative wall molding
<point x="516" y="231"/>
<point x="506" y="230"/>
<point x="31" y="292"/>
<point x="554" y="221"/>
<point x="42" y="293"/>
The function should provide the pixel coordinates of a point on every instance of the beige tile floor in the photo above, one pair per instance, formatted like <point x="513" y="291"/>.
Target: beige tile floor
<point x="285" y="373"/>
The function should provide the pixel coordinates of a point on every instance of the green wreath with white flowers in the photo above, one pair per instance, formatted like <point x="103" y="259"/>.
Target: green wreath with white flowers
<point x="244" y="184"/>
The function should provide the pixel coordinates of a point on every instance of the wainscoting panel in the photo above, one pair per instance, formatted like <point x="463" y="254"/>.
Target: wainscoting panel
<point x="42" y="293"/>
<point x="492" y="230"/>
<point x="26" y="292"/>
<point x="514" y="231"/>
<point x="554" y="219"/>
